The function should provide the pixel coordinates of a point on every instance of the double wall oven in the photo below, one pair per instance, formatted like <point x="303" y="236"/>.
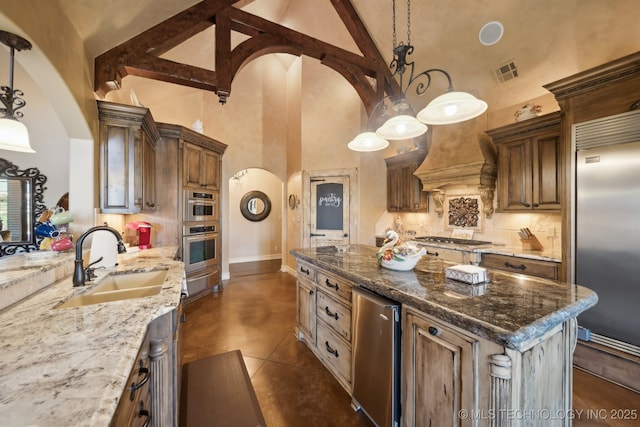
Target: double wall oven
<point x="201" y="242"/>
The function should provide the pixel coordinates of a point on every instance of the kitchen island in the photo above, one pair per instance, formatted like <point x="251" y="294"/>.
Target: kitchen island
<point x="69" y="366"/>
<point x="485" y="354"/>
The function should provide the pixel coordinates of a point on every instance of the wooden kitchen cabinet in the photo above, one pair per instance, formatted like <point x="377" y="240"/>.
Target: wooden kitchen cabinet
<point x="530" y="165"/>
<point x="306" y="308"/>
<point x="324" y="319"/>
<point x="452" y="377"/>
<point x="438" y="371"/>
<point x="128" y="137"/>
<point x="200" y="167"/>
<point x="513" y="264"/>
<point x="404" y="189"/>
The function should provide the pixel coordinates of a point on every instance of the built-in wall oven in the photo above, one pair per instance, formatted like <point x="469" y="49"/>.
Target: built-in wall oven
<point x="201" y="252"/>
<point x="200" y="205"/>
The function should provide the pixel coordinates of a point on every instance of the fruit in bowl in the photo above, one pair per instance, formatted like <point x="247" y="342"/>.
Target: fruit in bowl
<point x="396" y="254"/>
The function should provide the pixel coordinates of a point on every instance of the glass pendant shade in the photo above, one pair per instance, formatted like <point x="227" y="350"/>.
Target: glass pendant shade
<point x="14" y="136"/>
<point x="401" y="127"/>
<point x="452" y="107"/>
<point x="368" y="141"/>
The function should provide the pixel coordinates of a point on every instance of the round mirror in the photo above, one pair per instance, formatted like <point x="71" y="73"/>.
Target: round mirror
<point x="255" y="206"/>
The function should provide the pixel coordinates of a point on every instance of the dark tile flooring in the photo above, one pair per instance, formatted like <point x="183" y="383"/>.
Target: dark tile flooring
<point x="257" y="313"/>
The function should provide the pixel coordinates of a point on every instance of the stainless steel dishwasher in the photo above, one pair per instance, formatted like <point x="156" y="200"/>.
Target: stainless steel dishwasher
<point x="376" y="357"/>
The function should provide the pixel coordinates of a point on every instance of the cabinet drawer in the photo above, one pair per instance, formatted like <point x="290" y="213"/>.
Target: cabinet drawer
<point x="531" y="267"/>
<point x="334" y="351"/>
<point x="335" y="315"/>
<point x="306" y="271"/>
<point x="335" y="286"/>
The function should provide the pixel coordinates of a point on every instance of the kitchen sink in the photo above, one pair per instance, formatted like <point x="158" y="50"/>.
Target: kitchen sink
<point x="123" y="281"/>
<point x="120" y="286"/>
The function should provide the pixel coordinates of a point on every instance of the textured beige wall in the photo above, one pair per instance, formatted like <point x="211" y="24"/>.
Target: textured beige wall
<point x="60" y="60"/>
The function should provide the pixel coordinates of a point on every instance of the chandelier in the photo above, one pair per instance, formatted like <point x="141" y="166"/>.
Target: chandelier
<point x="450" y="107"/>
<point x="13" y="133"/>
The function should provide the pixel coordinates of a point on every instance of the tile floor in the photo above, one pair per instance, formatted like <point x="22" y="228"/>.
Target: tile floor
<point x="257" y="314"/>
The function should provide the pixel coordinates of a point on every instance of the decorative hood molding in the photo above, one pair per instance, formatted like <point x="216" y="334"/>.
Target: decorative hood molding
<point x="459" y="155"/>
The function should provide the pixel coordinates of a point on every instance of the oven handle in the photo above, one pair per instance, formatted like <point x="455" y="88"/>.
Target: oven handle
<point x="201" y="275"/>
<point x="200" y="236"/>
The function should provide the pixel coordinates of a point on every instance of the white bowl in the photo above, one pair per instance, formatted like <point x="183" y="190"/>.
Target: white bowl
<point x="401" y="263"/>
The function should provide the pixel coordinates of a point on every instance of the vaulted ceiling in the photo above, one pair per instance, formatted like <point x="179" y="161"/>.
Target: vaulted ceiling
<point x="546" y="39"/>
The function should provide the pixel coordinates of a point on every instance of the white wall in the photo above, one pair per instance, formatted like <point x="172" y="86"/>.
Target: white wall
<point x="260" y="240"/>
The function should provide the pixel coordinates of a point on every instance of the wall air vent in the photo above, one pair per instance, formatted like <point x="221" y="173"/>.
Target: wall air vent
<point x="507" y="72"/>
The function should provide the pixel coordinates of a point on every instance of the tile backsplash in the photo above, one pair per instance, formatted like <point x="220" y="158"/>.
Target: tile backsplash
<point x="501" y="228"/>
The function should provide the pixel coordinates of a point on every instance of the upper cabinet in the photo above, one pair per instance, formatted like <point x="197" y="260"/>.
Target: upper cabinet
<point x="404" y="189"/>
<point x="128" y="137"/>
<point x="200" y="167"/>
<point x="530" y="162"/>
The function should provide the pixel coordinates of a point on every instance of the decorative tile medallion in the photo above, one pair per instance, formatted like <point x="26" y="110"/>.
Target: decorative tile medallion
<point x="464" y="212"/>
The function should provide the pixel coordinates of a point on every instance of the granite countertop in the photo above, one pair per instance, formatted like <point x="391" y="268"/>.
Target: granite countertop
<point x="511" y="310"/>
<point x="68" y="367"/>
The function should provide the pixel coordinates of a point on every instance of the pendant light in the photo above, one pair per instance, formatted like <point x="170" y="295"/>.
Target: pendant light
<point x="13" y="133"/>
<point x="451" y="107"/>
<point x="368" y="141"/>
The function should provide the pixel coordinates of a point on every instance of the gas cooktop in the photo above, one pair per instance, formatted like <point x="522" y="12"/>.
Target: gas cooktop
<point x="452" y="240"/>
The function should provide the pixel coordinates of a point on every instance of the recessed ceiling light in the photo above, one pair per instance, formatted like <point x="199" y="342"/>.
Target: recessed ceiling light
<point x="491" y="33"/>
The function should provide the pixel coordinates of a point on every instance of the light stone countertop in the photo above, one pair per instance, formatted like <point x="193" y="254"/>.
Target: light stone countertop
<point x="512" y="310"/>
<point x="68" y="367"/>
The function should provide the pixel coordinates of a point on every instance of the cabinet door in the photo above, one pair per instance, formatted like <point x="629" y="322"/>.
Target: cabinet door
<point x="404" y="189"/>
<point x="306" y="305"/>
<point x="210" y="162"/>
<point x="439" y="373"/>
<point x="145" y="173"/>
<point x="192" y="165"/>
<point x="546" y="172"/>
<point x="515" y="175"/>
<point x="117" y="168"/>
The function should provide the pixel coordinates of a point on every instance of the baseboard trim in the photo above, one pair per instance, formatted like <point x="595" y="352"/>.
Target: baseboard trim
<point x="269" y="257"/>
<point x="608" y="363"/>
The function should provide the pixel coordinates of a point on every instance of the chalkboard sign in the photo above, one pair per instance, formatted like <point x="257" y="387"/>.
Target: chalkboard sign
<point x="329" y="206"/>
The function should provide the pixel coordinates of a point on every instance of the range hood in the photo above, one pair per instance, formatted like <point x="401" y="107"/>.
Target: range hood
<point x="459" y="155"/>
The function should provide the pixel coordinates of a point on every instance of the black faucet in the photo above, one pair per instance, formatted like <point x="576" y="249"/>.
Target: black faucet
<point x="79" y="272"/>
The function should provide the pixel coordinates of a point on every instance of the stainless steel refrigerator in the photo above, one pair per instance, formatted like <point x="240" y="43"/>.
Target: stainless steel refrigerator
<point x="607" y="227"/>
<point x="376" y="357"/>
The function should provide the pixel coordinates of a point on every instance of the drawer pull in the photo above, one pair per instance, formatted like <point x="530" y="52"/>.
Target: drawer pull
<point x="331" y="285"/>
<point x="146" y="414"/>
<point x="432" y="253"/>
<point x="305" y="271"/>
<point x="330" y="314"/>
<point x="330" y="350"/>
<point x="134" y="387"/>
<point x="517" y="267"/>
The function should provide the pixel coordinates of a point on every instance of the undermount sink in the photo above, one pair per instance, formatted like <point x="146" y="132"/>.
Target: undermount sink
<point x="123" y="281"/>
<point x="120" y="286"/>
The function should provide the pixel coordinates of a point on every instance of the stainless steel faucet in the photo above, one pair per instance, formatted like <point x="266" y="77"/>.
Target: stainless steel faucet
<point x="80" y="273"/>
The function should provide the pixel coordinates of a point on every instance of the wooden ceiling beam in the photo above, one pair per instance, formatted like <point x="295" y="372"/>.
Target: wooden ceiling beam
<point x="140" y="55"/>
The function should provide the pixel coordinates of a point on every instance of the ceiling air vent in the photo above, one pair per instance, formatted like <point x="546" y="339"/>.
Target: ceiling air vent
<point x="507" y="72"/>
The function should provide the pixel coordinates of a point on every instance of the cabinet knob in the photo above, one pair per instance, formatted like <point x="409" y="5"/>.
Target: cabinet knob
<point x="433" y="330"/>
<point x="535" y="205"/>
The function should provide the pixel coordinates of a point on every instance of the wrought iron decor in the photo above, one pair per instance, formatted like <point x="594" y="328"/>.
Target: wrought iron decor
<point x="33" y="198"/>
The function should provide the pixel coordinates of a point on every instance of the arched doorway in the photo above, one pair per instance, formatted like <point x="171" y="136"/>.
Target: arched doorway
<point x="255" y="222"/>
